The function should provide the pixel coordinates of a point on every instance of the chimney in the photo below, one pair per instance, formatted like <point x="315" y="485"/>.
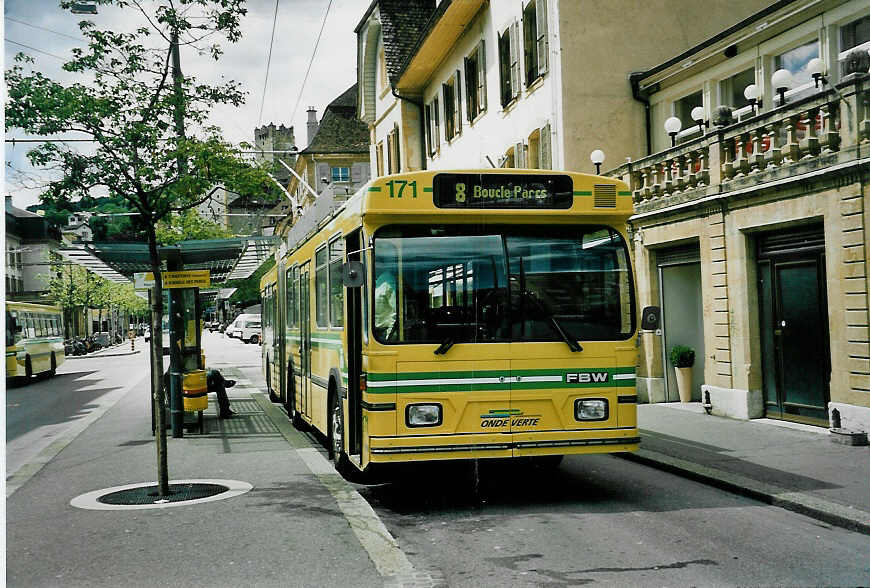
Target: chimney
<point x="312" y="124"/>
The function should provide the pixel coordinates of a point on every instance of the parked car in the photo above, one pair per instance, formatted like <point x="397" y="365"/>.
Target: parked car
<point x="240" y="328"/>
<point x="250" y="330"/>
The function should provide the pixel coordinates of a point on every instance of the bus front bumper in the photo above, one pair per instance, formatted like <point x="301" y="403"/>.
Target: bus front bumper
<point x="501" y="445"/>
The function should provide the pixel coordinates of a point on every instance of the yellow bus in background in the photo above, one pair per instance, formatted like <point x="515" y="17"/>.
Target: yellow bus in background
<point x="458" y="315"/>
<point x="34" y="339"/>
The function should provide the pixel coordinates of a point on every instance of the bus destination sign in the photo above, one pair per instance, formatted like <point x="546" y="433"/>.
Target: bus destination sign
<point x="502" y="191"/>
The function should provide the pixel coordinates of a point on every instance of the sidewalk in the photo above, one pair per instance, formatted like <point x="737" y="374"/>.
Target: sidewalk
<point x="295" y="514"/>
<point x="114" y="350"/>
<point x="796" y="467"/>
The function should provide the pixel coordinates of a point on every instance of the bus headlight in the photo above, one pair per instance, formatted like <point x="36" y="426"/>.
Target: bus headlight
<point x="423" y="415"/>
<point x="590" y="409"/>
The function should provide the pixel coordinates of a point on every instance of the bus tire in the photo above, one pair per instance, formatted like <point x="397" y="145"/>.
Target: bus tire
<point x="28" y="368"/>
<point x="336" y="436"/>
<point x="53" y="369"/>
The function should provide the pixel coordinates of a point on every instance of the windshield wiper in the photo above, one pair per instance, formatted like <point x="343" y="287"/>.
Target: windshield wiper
<point x="572" y="343"/>
<point x="557" y="326"/>
<point x="445" y="346"/>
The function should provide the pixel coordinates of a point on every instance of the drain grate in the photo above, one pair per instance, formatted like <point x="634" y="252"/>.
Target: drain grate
<point x="150" y="494"/>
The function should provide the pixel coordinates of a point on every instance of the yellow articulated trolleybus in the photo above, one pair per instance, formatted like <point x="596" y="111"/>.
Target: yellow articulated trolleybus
<point x="458" y="315"/>
<point x="34" y="340"/>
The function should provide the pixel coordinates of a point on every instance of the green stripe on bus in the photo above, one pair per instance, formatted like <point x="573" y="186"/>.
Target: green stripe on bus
<point x="582" y="192"/>
<point x="385" y="377"/>
<point x="374" y="188"/>
<point x="427" y="189"/>
<point x="623" y="193"/>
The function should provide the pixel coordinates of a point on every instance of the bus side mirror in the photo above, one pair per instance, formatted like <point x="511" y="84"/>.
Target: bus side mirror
<point x="352" y="274"/>
<point x="650" y="318"/>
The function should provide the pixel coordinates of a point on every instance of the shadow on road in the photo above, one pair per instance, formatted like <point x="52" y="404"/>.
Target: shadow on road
<point x="63" y="398"/>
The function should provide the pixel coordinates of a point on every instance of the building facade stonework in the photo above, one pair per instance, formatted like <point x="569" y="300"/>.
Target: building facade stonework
<point x="751" y="234"/>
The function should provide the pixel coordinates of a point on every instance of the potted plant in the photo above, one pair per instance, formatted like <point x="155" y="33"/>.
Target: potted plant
<point x="683" y="358"/>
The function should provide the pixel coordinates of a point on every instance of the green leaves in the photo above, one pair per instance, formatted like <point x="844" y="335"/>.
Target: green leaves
<point x="128" y="109"/>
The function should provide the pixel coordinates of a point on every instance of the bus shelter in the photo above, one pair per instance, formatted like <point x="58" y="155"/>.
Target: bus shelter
<point x="217" y="260"/>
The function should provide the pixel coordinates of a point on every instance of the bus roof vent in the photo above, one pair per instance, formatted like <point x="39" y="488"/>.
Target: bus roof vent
<point x="605" y="196"/>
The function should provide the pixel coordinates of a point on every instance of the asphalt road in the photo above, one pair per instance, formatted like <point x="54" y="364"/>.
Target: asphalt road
<point x="594" y="520"/>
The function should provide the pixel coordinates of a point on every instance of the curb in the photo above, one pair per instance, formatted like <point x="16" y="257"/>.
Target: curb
<point x="98" y="354"/>
<point x="830" y="512"/>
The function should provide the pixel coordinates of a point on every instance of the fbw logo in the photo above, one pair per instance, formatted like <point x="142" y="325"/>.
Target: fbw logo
<point x="587" y="377"/>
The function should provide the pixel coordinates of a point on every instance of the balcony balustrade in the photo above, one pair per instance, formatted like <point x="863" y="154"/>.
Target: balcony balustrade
<point x="827" y="129"/>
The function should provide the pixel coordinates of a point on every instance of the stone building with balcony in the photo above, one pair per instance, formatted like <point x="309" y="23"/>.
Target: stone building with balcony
<point x="515" y="83"/>
<point x="751" y="215"/>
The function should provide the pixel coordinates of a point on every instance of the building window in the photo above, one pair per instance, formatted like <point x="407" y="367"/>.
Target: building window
<point x="379" y="155"/>
<point x="795" y="61"/>
<point x="508" y="160"/>
<point x="340" y="174"/>
<point x="321" y="287"/>
<point x="433" y="131"/>
<point x="535" y="46"/>
<point x="475" y="82"/>
<point x="452" y="110"/>
<point x="731" y="90"/>
<point x="393" y="164"/>
<point x="855" y="35"/>
<point x="538" y="154"/>
<point x="336" y="288"/>
<point x="509" y="64"/>
<point x="683" y="109"/>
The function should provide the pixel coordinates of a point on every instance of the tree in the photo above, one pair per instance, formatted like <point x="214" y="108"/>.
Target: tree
<point x="189" y="225"/>
<point x="153" y="146"/>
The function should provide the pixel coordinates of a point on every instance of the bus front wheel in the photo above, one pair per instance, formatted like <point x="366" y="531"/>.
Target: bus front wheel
<point x="336" y="435"/>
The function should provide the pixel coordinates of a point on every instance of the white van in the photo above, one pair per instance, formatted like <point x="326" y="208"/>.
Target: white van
<point x="246" y="327"/>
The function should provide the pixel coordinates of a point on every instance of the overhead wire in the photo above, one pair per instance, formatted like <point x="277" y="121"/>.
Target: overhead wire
<point x="307" y="71"/>
<point x="27" y="24"/>
<point x="268" y="64"/>
<point x="35" y="49"/>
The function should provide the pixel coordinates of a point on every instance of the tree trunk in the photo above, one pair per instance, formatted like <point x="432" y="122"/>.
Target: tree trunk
<point x="157" y="391"/>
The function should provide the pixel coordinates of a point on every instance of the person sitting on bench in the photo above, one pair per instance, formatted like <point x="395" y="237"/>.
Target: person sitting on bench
<point x="215" y="382"/>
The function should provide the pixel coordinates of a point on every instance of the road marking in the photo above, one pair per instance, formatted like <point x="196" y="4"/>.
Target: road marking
<point x="34" y="441"/>
<point x="382" y="547"/>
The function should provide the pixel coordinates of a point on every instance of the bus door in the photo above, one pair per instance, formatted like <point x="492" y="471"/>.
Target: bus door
<point x="305" y="340"/>
<point x="354" y="333"/>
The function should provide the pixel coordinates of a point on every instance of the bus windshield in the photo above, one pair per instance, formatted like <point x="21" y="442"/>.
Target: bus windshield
<point x="462" y="283"/>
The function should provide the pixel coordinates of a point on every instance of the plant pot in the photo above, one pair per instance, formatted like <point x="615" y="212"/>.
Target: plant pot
<point x="684" y="383"/>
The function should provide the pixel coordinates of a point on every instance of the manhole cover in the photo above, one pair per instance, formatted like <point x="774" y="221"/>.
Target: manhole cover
<point x="151" y="495"/>
<point x="145" y="495"/>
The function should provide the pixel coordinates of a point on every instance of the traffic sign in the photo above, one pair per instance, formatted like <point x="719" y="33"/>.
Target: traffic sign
<point x="177" y="279"/>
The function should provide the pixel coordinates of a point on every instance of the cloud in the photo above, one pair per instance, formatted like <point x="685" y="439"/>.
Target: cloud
<point x="296" y="28"/>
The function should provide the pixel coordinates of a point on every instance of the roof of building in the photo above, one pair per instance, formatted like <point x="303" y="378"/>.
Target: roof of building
<point x="743" y="24"/>
<point x="340" y="131"/>
<point x="403" y="23"/>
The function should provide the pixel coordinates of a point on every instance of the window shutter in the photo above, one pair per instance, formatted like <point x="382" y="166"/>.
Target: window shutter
<point x="519" y="155"/>
<point x="528" y="43"/>
<point x="457" y="88"/>
<point x="469" y="107"/>
<point x="515" y="60"/>
<point x="543" y="43"/>
<point x="546" y="156"/>
<point x="389" y="153"/>
<point x="481" y="78"/>
<point x="427" y="112"/>
<point x="437" y="137"/>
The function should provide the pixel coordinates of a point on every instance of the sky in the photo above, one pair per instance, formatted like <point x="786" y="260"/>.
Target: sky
<point x="50" y="33"/>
